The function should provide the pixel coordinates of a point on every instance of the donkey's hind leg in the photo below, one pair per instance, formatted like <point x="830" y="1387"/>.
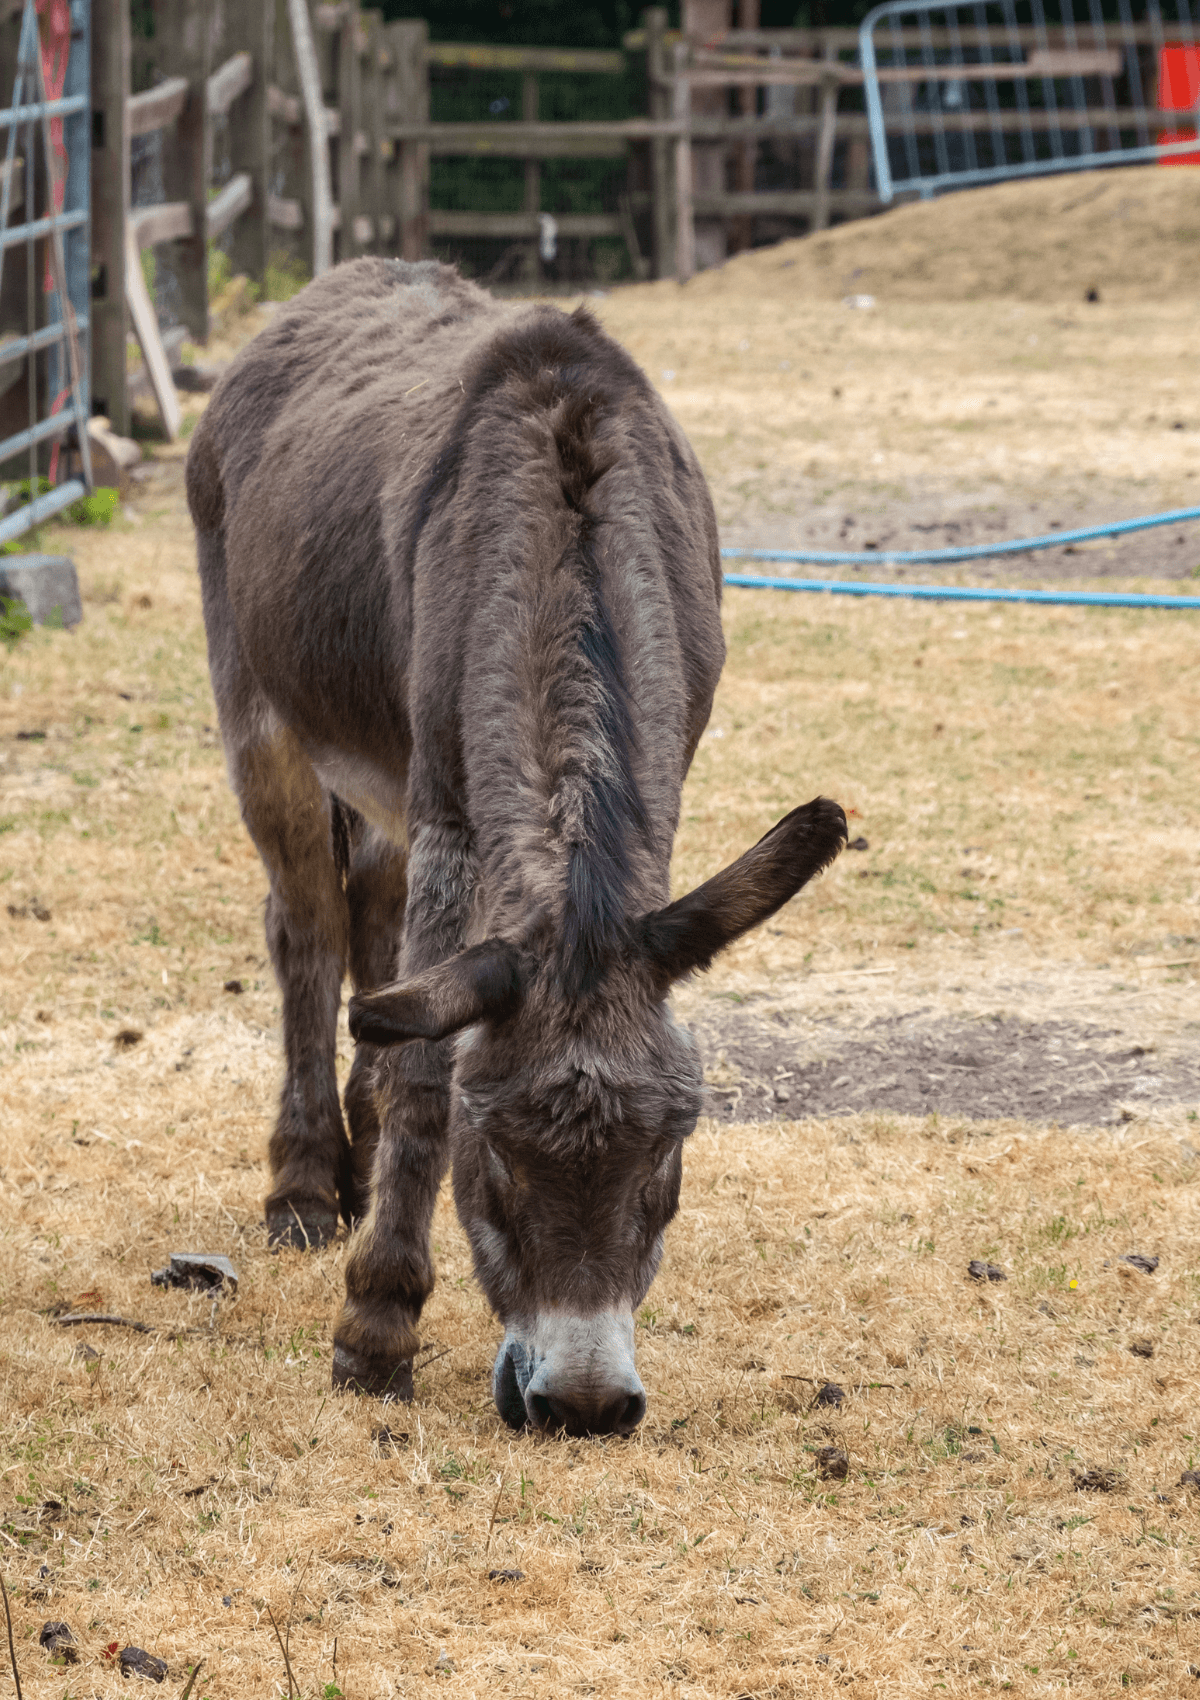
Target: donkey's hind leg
<point x="290" y="818"/>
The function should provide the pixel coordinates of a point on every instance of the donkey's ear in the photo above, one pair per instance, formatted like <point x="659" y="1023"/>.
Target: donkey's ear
<point x="688" y="934"/>
<point x="480" y="984"/>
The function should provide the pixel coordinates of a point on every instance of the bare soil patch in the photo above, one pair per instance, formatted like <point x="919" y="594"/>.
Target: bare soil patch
<point x="917" y="1063"/>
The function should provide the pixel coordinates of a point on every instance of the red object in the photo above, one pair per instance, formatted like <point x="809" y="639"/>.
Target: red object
<point x="1179" y="91"/>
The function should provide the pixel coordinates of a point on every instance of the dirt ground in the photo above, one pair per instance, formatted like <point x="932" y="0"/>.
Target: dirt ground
<point x="976" y="1039"/>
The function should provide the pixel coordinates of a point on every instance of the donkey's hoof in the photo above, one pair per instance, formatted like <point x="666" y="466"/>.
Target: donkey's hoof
<point x="301" y="1224"/>
<point x="357" y="1373"/>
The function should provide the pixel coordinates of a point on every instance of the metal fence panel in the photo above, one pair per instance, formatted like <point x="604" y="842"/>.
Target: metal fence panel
<point x="49" y="117"/>
<point x="977" y="91"/>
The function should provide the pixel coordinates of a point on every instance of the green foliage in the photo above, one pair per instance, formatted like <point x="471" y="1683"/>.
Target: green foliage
<point x="14" y="621"/>
<point x="220" y="270"/>
<point x="285" y="276"/>
<point x="97" y="508"/>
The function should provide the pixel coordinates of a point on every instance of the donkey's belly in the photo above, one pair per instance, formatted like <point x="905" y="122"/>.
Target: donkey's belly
<point x="377" y="795"/>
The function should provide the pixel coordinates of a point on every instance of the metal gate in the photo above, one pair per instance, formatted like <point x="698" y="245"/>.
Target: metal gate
<point x="975" y="91"/>
<point x="47" y="183"/>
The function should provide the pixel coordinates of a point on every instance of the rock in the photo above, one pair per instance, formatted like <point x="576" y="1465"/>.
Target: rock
<point x="1139" y="1260"/>
<point x="203" y="1271"/>
<point x="59" y="1642"/>
<point x="136" y="1661"/>
<point x="46" y="584"/>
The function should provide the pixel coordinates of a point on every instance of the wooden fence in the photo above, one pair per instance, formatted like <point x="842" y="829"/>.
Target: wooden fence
<point x="324" y="111"/>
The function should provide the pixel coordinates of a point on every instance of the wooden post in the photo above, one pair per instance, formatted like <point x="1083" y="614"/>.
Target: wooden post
<point x="349" y="99"/>
<point x="251" y="28"/>
<point x="372" y="163"/>
<point x="183" y="38"/>
<point x="110" y="198"/>
<point x="745" y="155"/>
<point x="662" y="197"/>
<point x="533" y="171"/>
<point x="290" y="205"/>
<point x="685" y="222"/>
<point x="410" y="40"/>
<point x="826" y="136"/>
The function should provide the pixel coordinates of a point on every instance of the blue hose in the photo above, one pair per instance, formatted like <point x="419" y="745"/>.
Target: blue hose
<point x="975" y="552"/>
<point x="962" y="593"/>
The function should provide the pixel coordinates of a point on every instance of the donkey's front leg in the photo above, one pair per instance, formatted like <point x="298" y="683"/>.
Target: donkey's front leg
<point x="389" y="1271"/>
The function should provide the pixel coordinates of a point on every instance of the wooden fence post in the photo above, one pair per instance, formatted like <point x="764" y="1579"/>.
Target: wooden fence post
<point x="826" y="136"/>
<point x="662" y="200"/>
<point x="371" y="75"/>
<point x="251" y="29"/>
<point x="110" y="196"/>
<point x="410" y="41"/>
<point x="183" y="38"/>
<point x="354" y="239"/>
<point x="533" y="170"/>
<point x="685" y="222"/>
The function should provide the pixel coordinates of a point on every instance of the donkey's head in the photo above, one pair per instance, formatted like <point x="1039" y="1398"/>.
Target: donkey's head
<point x="568" y="1121"/>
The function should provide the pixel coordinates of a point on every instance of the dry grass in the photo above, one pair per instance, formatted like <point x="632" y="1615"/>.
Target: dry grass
<point x="709" y="1556"/>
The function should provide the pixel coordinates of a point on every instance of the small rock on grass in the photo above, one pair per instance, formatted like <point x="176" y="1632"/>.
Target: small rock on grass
<point x="978" y="1270"/>
<point x="204" y="1271"/>
<point x="59" y="1642"/>
<point x="833" y="1463"/>
<point x="136" y="1661"/>
<point x="1139" y="1260"/>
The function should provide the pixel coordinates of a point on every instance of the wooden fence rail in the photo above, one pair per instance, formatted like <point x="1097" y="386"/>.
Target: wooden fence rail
<point x="328" y="143"/>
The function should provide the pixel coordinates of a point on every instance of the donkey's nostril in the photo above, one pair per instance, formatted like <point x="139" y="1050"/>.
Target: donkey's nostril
<point x="542" y="1413"/>
<point x="632" y="1414"/>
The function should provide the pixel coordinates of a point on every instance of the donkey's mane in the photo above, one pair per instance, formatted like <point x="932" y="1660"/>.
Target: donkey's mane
<point x="564" y="371"/>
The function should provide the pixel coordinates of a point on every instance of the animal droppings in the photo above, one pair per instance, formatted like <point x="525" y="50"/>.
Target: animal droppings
<point x="1142" y="1348"/>
<point x="59" y="1642"/>
<point x="1190" y="1479"/>
<point x="385" y="1437"/>
<point x="1096" y="1480"/>
<point x="234" y="986"/>
<point x="127" y="1038"/>
<point x="1147" y="1265"/>
<point x="202" y="1271"/>
<point x="830" y="1394"/>
<point x="136" y="1661"/>
<point x="506" y="1575"/>
<point x="833" y="1463"/>
<point x="859" y="843"/>
<point x="978" y="1270"/>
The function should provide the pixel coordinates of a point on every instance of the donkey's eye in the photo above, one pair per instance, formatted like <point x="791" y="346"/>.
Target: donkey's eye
<point x="500" y="1167"/>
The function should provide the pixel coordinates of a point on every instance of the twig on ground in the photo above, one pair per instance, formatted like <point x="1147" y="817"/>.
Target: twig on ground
<point x="191" y="1681"/>
<point x="293" y="1686"/>
<point x="424" y="1363"/>
<point x="111" y="1321"/>
<point x="12" y="1651"/>
<point x="495" y="1511"/>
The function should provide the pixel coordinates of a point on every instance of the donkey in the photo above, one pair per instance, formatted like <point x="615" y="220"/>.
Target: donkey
<point x="461" y="586"/>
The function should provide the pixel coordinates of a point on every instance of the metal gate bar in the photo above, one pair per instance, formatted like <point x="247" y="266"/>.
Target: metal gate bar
<point x="65" y="228"/>
<point x="961" y="92"/>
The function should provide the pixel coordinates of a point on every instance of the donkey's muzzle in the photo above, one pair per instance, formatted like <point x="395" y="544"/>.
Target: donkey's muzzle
<point x="571" y="1375"/>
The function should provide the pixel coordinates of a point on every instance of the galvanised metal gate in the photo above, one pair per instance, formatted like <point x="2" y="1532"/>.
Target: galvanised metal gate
<point x="976" y="91"/>
<point x="48" y="181"/>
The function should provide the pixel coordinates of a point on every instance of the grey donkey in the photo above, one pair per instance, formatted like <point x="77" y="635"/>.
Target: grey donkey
<point x="462" y="591"/>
